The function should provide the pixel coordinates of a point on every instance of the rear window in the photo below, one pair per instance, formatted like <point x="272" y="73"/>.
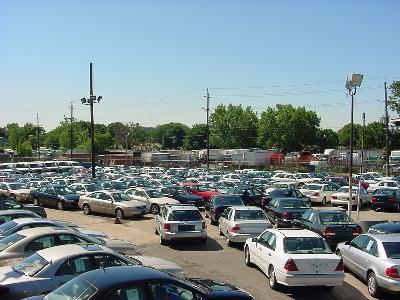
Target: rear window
<point x="185" y="215"/>
<point x="392" y="249"/>
<point x="292" y="203"/>
<point x="7" y="226"/>
<point x="385" y="192"/>
<point x="331" y="218"/>
<point x="312" y="187"/>
<point x="306" y="245"/>
<point x="75" y="289"/>
<point x="249" y="215"/>
<point x="9" y="240"/>
<point x="228" y="201"/>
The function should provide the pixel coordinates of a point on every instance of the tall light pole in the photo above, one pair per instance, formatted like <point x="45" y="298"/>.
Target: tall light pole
<point x="207" y="109"/>
<point x="353" y="81"/>
<point x="92" y="99"/>
<point x="126" y="148"/>
<point x="38" y="134"/>
<point x="387" y="133"/>
<point x="71" y="133"/>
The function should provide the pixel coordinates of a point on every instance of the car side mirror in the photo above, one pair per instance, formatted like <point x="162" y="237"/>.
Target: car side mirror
<point x="254" y="239"/>
<point x="348" y="243"/>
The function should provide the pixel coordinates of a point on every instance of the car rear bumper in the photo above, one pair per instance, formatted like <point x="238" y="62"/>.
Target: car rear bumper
<point x="389" y="284"/>
<point x="169" y="236"/>
<point x="309" y="279"/>
<point x="136" y="212"/>
<point x="241" y="237"/>
<point x="384" y="204"/>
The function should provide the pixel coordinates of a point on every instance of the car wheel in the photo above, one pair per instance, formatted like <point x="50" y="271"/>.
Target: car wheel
<point x="398" y="207"/>
<point x="119" y="213"/>
<point x="60" y="205"/>
<point x="372" y="284"/>
<point x="272" y="279"/>
<point x="86" y="209"/>
<point x="247" y="259"/>
<point x="220" y="231"/>
<point x="212" y="221"/>
<point x="229" y="242"/>
<point x="206" y="215"/>
<point x="154" y="209"/>
<point x="36" y="202"/>
<point x="324" y="201"/>
<point x="13" y="196"/>
<point x="163" y="241"/>
<point x="156" y="231"/>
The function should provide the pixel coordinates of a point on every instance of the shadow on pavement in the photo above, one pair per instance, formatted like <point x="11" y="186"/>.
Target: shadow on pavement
<point x="187" y="245"/>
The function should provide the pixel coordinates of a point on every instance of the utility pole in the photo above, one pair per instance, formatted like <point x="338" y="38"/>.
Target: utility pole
<point x="92" y="99"/>
<point x="208" y="129"/>
<point x="361" y="168"/>
<point x="38" y="134"/>
<point x="71" y="119"/>
<point x="387" y="132"/>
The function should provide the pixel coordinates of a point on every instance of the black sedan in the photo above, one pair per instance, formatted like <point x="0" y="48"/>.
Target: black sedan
<point x="282" y="211"/>
<point x="249" y="195"/>
<point x="388" y="227"/>
<point x="386" y="198"/>
<point x="178" y="193"/>
<point x="9" y="203"/>
<point x="285" y="193"/>
<point x="58" y="196"/>
<point x="138" y="282"/>
<point x="334" y="226"/>
<point x="217" y="205"/>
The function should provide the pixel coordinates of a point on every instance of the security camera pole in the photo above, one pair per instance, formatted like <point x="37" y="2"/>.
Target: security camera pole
<point x="92" y="99"/>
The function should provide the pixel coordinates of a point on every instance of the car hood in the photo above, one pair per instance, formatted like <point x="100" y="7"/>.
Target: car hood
<point x="161" y="264"/>
<point x="190" y="197"/>
<point x="22" y="191"/>
<point x="164" y="200"/>
<point x="122" y="246"/>
<point x="131" y="203"/>
<point x="74" y="197"/>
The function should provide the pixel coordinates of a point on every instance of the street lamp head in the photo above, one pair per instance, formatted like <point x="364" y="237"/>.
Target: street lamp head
<point x="83" y="100"/>
<point x="353" y="80"/>
<point x="99" y="98"/>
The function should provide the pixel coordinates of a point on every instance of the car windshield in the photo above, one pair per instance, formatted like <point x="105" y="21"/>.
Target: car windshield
<point x="154" y="194"/>
<point x="279" y="185"/>
<point x="91" y="187"/>
<point x="63" y="190"/>
<point x="31" y="265"/>
<point x="119" y="197"/>
<point x="9" y="240"/>
<point x="119" y="185"/>
<point x="17" y="186"/>
<point x="250" y="215"/>
<point x="223" y="201"/>
<point x="10" y="204"/>
<point x="312" y="187"/>
<point x="185" y="215"/>
<point x="346" y="190"/>
<point x="392" y="249"/>
<point x="75" y="289"/>
<point x="306" y="245"/>
<point x="386" y="192"/>
<point x="7" y="226"/>
<point x="293" y="203"/>
<point x="334" y="217"/>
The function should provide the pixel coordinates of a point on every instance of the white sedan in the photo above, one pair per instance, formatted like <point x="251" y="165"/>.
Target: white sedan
<point x="319" y="193"/>
<point x="387" y="184"/>
<point x="294" y="257"/>
<point x="341" y="197"/>
<point x="151" y="197"/>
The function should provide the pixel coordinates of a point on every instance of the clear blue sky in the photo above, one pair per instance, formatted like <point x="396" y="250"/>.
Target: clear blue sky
<point x="153" y="60"/>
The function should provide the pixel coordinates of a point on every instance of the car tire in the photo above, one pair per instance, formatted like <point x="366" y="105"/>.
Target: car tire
<point x="36" y="202"/>
<point x="156" y="231"/>
<point x="324" y="201"/>
<point x="154" y="209"/>
<point x="206" y="215"/>
<point x="163" y="242"/>
<point x="86" y="209"/>
<point x="60" y="205"/>
<point x="398" y="207"/>
<point x="119" y="213"/>
<point x="13" y="196"/>
<point x="229" y="242"/>
<point x="372" y="284"/>
<point x="247" y="260"/>
<point x="272" y="279"/>
<point x="220" y="231"/>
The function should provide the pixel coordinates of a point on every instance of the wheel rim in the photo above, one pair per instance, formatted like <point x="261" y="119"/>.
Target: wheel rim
<point x="36" y="202"/>
<point x="60" y="205"/>
<point x="119" y="214"/>
<point x="86" y="209"/>
<point x="154" y="209"/>
<point x="271" y="277"/>
<point x="372" y="284"/>
<point x="247" y="256"/>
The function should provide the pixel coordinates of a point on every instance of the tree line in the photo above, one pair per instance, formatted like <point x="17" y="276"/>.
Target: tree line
<point x="284" y="127"/>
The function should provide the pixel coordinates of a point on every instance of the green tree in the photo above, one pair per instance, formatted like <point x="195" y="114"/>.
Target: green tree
<point x="170" y="136"/>
<point x="374" y="136"/>
<point x="326" y="139"/>
<point x="288" y="128"/>
<point x="196" y="137"/>
<point x="119" y="133"/>
<point x="233" y="127"/>
<point x="25" y="149"/>
<point x="394" y="98"/>
<point x="344" y="135"/>
<point x="3" y="132"/>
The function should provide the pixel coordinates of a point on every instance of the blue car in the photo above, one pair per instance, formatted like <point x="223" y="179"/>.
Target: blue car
<point x="141" y="283"/>
<point x="59" y="196"/>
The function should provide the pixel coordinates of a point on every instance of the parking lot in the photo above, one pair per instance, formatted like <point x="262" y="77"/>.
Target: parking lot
<point x="215" y="259"/>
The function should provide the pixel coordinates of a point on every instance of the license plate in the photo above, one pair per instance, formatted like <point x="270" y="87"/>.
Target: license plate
<point x="185" y="227"/>
<point x="317" y="268"/>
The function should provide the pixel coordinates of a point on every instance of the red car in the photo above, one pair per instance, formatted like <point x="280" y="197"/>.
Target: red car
<point x="199" y="190"/>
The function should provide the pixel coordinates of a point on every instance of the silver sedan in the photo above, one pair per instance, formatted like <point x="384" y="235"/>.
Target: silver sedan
<point x="375" y="258"/>
<point x="50" y="268"/>
<point x="238" y="223"/>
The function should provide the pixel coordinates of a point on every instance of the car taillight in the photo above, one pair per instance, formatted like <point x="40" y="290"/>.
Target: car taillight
<point x="353" y="198"/>
<point x="392" y="272"/>
<point x="167" y="226"/>
<point x="4" y="290"/>
<point x="328" y="232"/>
<point x="392" y="199"/>
<point x="235" y="228"/>
<point x="204" y="226"/>
<point x="286" y="216"/>
<point x="357" y="231"/>
<point x="316" y="194"/>
<point x="290" y="265"/>
<point x="334" y="197"/>
<point x="340" y="266"/>
<point x="374" y="199"/>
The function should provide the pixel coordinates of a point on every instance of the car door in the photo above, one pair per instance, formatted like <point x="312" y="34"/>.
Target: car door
<point x="224" y="220"/>
<point x="44" y="196"/>
<point x="141" y="196"/>
<point x="369" y="256"/>
<point x="351" y="257"/>
<point x="39" y="244"/>
<point x="94" y="201"/>
<point x="259" y="249"/>
<point x="71" y="268"/>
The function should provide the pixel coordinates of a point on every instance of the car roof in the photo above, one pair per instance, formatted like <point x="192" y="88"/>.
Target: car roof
<point x="8" y="212"/>
<point x="388" y="237"/>
<point x="29" y="220"/>
<point x="182" y="207"/>
<point x="291" y="232"/>
<point x="237" y="207"/>
<point x="45" y="230"/>
<point x="109" y="277"/>
<point x="58" y="252"/>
